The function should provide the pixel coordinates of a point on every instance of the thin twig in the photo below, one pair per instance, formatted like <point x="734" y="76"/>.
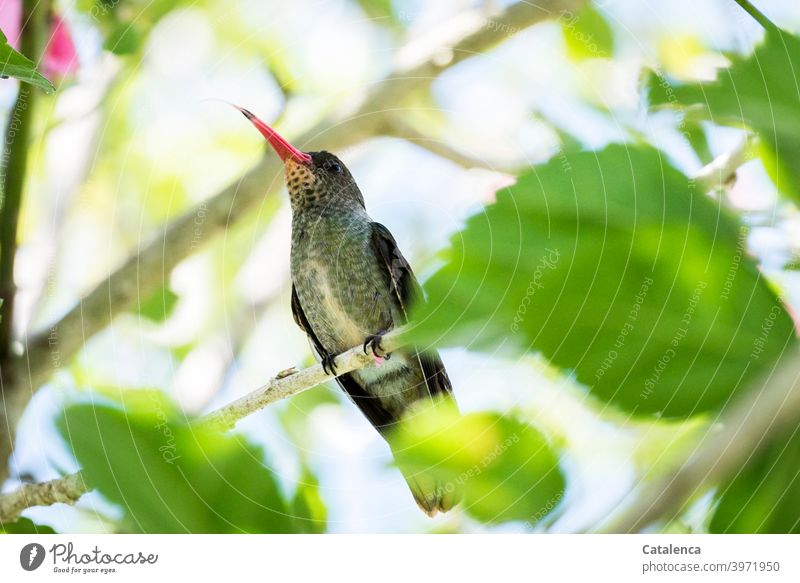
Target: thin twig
<point x="279" y="388"/>
<point x="399" y="128"/>
<point x="720" y="173"/>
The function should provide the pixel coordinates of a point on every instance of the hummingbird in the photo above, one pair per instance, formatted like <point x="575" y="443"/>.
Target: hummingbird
<point x="350" y="286"/>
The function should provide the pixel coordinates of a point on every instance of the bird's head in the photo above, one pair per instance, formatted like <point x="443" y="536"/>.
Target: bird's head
<point x="317" y="179"/>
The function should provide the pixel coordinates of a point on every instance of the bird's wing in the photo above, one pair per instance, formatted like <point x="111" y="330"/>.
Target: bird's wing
<point x="370" y="406"/>
<point x="403" y="285"/>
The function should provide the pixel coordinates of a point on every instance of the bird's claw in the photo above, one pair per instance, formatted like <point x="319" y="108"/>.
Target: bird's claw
<point x="372" y="343"/>
<point x="329" y="364"/>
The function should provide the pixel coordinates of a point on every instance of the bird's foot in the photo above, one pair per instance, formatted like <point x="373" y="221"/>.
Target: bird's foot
<point x="328" y="364"/>
<point x="372" y="343"/>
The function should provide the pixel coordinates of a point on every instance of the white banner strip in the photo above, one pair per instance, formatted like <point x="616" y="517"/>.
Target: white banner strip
<point x="388" y="558"/>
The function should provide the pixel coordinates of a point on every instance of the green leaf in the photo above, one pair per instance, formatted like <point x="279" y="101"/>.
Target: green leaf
<point x="25" y="526"/>
<point x="308" y="506"/>
<point x="695" y="134"/>
<point x="15" y="64"/>
<point x="123" y="39"/>
<point x="615" y="267"/>
<point x="754" y="92"/>
<point x="504" y="469"/>
<point x="587" y="34"/>
<point x="170" y="477"/>
<point x="159" y="305"/>
<point x="764" y="497"/>
<point x="379" y="10"/>
<point x="125" y="25"/>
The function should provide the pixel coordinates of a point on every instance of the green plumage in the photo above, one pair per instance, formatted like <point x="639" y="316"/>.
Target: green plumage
<point x="350" y="282"/>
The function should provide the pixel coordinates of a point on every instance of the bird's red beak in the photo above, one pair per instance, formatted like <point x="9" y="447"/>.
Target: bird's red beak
<point x="284" y="149"/>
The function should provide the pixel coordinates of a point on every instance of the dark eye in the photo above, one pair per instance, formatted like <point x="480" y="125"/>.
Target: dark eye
<point x="332" y="166"/>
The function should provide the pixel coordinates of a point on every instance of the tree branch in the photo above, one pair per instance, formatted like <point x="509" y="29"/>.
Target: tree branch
<point x="70" y="488"/>
<point x="65" y="490"/>
<point x="281" y="387"/>
<point x="764" y="410"/>
<point x="399" y="128"/>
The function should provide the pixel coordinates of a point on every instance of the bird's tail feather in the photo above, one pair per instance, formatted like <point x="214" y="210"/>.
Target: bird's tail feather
<point x="424" y="470"/>
<point x="431" y="494"/>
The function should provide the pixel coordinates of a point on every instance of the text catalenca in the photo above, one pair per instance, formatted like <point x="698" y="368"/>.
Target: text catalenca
<point x="669" y="550"/>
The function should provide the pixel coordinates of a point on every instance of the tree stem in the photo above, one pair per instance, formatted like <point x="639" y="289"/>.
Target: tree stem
<point x="12" y="181"/>
<point x="757" y="15"/>
<point x="65" y="490"/>
<point x="13" y="172"/>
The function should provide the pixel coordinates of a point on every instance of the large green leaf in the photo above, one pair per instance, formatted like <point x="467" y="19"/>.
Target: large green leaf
<point x="761" y="91"/>
<point x="616" y="267"/>
<point x="764" y="497"/>
<point x="503" y="468"/>
<point x="15" y="64"/>
<point x="170" y="477"/>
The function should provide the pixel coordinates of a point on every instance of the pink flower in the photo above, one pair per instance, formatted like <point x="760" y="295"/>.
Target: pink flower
<point x="10" y="18"/>
<point x="60" y="58"/>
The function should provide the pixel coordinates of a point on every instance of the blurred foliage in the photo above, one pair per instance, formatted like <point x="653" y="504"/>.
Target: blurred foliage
<point x="379" y="10"/>
<point x="159" y="305"/>
<point x="614" y="266"/>
<point x="171" y="477"/>
<point x="587" y="34"/>
<point x="754" y="92"/>
<point x="126" y="23"/>
<point x="764" y="496"/>
<point x="294" y="416"/>
<point x="15" y="64"/>
<point x="307" y="507"/>
<point x="123" y="39"/>
<point x="504" y="468"/>
<point x="695" y="133"/>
